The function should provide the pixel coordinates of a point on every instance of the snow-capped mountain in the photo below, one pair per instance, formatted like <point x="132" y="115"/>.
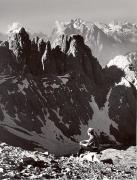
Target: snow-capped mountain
<point x="105" y="41"/>
<point x="50" y="96"/>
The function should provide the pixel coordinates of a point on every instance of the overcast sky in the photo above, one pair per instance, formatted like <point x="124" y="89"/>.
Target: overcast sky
<point x="40" y="15"/>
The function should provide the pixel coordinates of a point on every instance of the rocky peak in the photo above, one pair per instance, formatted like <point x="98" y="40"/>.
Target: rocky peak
<point x="23" y="36"/>
<point x="76" y="45"/>
<point x="20" y="44"/>
<point x="41" y="46"/>
<point x="80" y="58"/>
<point x="71" y="54"/>
<point x="28" y="52"/>
<point x="46" y="58"/>
<point x="65" y="43"/>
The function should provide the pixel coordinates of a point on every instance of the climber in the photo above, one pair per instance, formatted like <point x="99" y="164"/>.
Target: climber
<point x="92" y="144"/>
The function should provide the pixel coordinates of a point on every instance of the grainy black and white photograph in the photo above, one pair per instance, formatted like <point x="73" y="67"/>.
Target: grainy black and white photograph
<point x="68" y="84"/>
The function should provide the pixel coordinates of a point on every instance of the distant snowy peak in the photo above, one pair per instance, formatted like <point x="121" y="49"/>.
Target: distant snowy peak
<point x="80" y="24"/>
<point x="118" y="27"/>
<point x="74" y="25"/>
<point x="124" y="27"/>
<point x="91" y="33"/>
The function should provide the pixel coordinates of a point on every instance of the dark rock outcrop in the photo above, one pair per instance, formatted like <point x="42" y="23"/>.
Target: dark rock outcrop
<point x="20" y="44"/>
<point x="7" y="61"/>
<point x="40" y="58"/>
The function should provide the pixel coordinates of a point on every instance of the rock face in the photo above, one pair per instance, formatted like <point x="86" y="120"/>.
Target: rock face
<point x="50" y="96"/>
<point x="123" y="93"/>
<point x="7" y="61"/>
<point x="105" y="41"/>
<point x="19" y="43"/>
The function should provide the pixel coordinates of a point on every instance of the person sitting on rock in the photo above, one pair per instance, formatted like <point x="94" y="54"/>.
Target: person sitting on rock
<point x="92" y="144"/>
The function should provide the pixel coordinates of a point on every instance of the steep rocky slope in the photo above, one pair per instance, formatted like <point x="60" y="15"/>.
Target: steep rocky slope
<point x="50" y="96"/>
<point x="105" y="40"/>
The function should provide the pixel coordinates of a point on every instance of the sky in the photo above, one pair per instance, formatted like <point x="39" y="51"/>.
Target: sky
<point x="40" y="15"/>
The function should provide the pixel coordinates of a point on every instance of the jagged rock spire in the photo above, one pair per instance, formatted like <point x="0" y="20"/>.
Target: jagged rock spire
<point x="41" y="46"/>
<point x="46" y="56"/>
<point x="40" y="58"/>
<point x="20" y="44"/>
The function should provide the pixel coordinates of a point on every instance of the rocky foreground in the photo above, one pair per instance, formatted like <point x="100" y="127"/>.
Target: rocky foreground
<point x="16" y="163"/>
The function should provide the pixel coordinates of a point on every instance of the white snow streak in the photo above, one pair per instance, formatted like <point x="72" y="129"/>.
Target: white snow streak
<point x="100" y="121"/>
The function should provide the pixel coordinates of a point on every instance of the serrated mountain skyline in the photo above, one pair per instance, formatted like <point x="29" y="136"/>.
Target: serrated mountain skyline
<point x="40" y="15"/>
<point x="105" y="40"/>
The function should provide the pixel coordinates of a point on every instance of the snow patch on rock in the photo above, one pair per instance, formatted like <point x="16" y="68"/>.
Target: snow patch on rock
<point x="64" y="78"/>
<point x="55" y="86"/>
<point x="119" y="61"/>
<point x="100" y="121"/>
<point x="23" y="86"/>
<point x="123" y="82"/>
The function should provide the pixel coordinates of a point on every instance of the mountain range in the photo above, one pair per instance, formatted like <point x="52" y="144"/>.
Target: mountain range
<point x="105" y="40"/>
<point x="52" y="91"/>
